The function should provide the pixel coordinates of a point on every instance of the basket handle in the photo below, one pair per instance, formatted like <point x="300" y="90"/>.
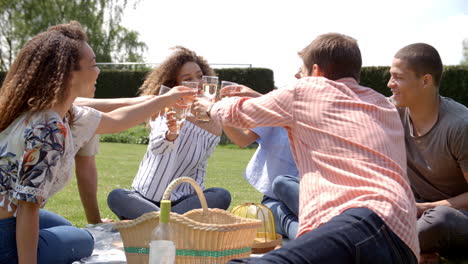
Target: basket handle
<point x="194" y="184"/>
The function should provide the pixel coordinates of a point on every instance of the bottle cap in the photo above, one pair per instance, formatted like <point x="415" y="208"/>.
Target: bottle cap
<point x="164" y="214"/>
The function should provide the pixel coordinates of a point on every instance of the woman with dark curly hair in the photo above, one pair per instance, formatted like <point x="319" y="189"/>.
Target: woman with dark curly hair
<point x="37" y="146"/>
<point x="171" y="153"/>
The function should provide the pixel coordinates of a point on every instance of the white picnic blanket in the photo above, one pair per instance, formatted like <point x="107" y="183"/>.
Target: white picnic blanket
<point x="108" y="246"/>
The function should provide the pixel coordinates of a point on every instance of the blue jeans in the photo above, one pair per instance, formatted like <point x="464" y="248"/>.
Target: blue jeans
<point x="286" y="207"/>
<point x="357" y="235"/>
<point x="444" y="229"/>
<point x="128" y="205"/>
<point x="59" y="241"/>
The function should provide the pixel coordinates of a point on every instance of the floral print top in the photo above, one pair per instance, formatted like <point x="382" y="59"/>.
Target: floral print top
<point x="36" y="156"/>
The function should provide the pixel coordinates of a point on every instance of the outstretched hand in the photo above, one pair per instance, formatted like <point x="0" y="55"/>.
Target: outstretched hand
<point x="180" y="95"/>
<point x="239" y="90"/>
<point x="200" y="107"/>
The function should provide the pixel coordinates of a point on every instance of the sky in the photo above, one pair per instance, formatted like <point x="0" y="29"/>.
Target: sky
<point x="269" y="33"/>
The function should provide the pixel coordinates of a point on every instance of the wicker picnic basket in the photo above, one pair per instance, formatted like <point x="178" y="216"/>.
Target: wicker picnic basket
<point x="201" y="236"/>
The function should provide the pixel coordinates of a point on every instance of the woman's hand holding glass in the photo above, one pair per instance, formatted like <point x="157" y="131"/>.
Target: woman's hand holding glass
<point x="176" y="115"/>
<point x="201" y="106"/>
<point x="178" y="95"/>
<point x="174" y="120"/>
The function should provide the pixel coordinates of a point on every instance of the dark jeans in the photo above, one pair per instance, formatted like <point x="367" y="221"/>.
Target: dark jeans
<point x="286" y="207"/>
<point x="444" y="229"/>
<point x="129" y="205"/>
<point x="357" y="235"/>
<point x="59" y="241"/>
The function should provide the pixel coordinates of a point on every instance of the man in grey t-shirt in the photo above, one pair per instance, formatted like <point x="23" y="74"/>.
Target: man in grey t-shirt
<point x="436" y="136"/>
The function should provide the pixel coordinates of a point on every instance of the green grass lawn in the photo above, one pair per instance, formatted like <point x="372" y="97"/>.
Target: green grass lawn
<point x="117" y="166"/>
<point x="118" y="163"/>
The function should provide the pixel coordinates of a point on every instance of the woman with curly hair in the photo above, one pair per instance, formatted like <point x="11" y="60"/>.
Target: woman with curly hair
<point x="37" y="146"/>
<point x="172" y="154"/>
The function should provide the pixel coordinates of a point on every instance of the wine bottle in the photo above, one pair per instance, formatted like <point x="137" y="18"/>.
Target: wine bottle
<point x="162" y="246"/>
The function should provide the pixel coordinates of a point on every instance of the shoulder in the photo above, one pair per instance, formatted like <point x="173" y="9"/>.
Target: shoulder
<point x="453" y="114"/>
<point x="454" y="109"/>
<point x="45" y="127"/>
<point x="81" y="113"/>
<point x="44" y="120"/>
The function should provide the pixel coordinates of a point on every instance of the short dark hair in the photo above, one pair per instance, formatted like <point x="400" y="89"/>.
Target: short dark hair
<point x="423" y="59"/>
<point x="337" y="55"/>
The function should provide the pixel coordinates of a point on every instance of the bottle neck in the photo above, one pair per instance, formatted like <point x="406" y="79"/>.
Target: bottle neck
<point x="164" y="214"/>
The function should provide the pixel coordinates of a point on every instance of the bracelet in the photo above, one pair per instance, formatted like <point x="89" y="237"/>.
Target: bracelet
<point x="209" y="110"/>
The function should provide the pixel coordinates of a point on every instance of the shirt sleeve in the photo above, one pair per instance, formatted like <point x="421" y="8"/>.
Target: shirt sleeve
<point x="89" y="148"/>
<point x="460" y="148"/>
<point x="261" y="132"/>
<point x="85" y="122"/>
<point x="158" y="144"/>
<point x="272" y="109"/>
<point x="44" y="149"/>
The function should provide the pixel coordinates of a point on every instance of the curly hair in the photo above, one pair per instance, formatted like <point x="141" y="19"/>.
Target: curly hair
<point x="39" y="77"/>
<point x="166" y="73"/>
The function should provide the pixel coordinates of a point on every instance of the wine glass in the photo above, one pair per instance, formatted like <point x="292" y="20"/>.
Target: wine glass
<point x="180" y="110"/>
<point x="192" y="85"/>
<point x="162" y="90"/>
<point x="210" y="84"/>
<point x="224" y="84"/>
<point x="180" y="115"/>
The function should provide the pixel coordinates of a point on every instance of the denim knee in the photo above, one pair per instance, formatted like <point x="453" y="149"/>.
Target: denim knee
<point x="280" y="184"/>
<point x="437" y="218"/>
<point x="435" y="228"/>
<point x="64" y="244"/>
<point x="115" y="197"/>
<point x="223" y="198"/>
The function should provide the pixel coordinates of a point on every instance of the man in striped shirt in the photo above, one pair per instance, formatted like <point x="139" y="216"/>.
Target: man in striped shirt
<point x="356" y="204"/>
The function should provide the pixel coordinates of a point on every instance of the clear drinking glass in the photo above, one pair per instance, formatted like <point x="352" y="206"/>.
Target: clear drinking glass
<point x="224" y="84"/>
<point x="180" y="115"/>
<point x="193" y="85"/>
<point x="180" y="111"/>
<point x="162" y="90"/>
<point x="210" y="85"/>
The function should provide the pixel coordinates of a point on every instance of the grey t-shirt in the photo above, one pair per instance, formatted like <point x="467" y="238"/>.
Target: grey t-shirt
<point x="438" y="159"/>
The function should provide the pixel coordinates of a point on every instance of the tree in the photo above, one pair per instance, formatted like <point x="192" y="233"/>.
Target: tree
<point x="20" y="20"/>
<point x="465" y="52"/>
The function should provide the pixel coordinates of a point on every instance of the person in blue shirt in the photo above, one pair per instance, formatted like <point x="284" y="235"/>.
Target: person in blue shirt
<point x="271" y="170"/>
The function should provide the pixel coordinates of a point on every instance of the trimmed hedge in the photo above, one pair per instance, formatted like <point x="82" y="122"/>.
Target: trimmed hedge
<point x="455" y="84"/>
<point x="259" y="79"/>
<point x="114" y="84"/>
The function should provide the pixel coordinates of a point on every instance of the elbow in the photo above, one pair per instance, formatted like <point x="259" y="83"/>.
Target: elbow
<point x="242" y="145"/>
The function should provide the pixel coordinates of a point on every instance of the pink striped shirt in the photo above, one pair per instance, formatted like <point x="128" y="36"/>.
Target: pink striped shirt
<point x="349" y="147"/>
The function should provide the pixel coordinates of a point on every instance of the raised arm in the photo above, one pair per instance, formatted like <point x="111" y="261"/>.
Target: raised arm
<point x="240" y="137"/>
<point x="129" y="116"/>
<point x="107" y="105"/>
<point x="272" y="109"/>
